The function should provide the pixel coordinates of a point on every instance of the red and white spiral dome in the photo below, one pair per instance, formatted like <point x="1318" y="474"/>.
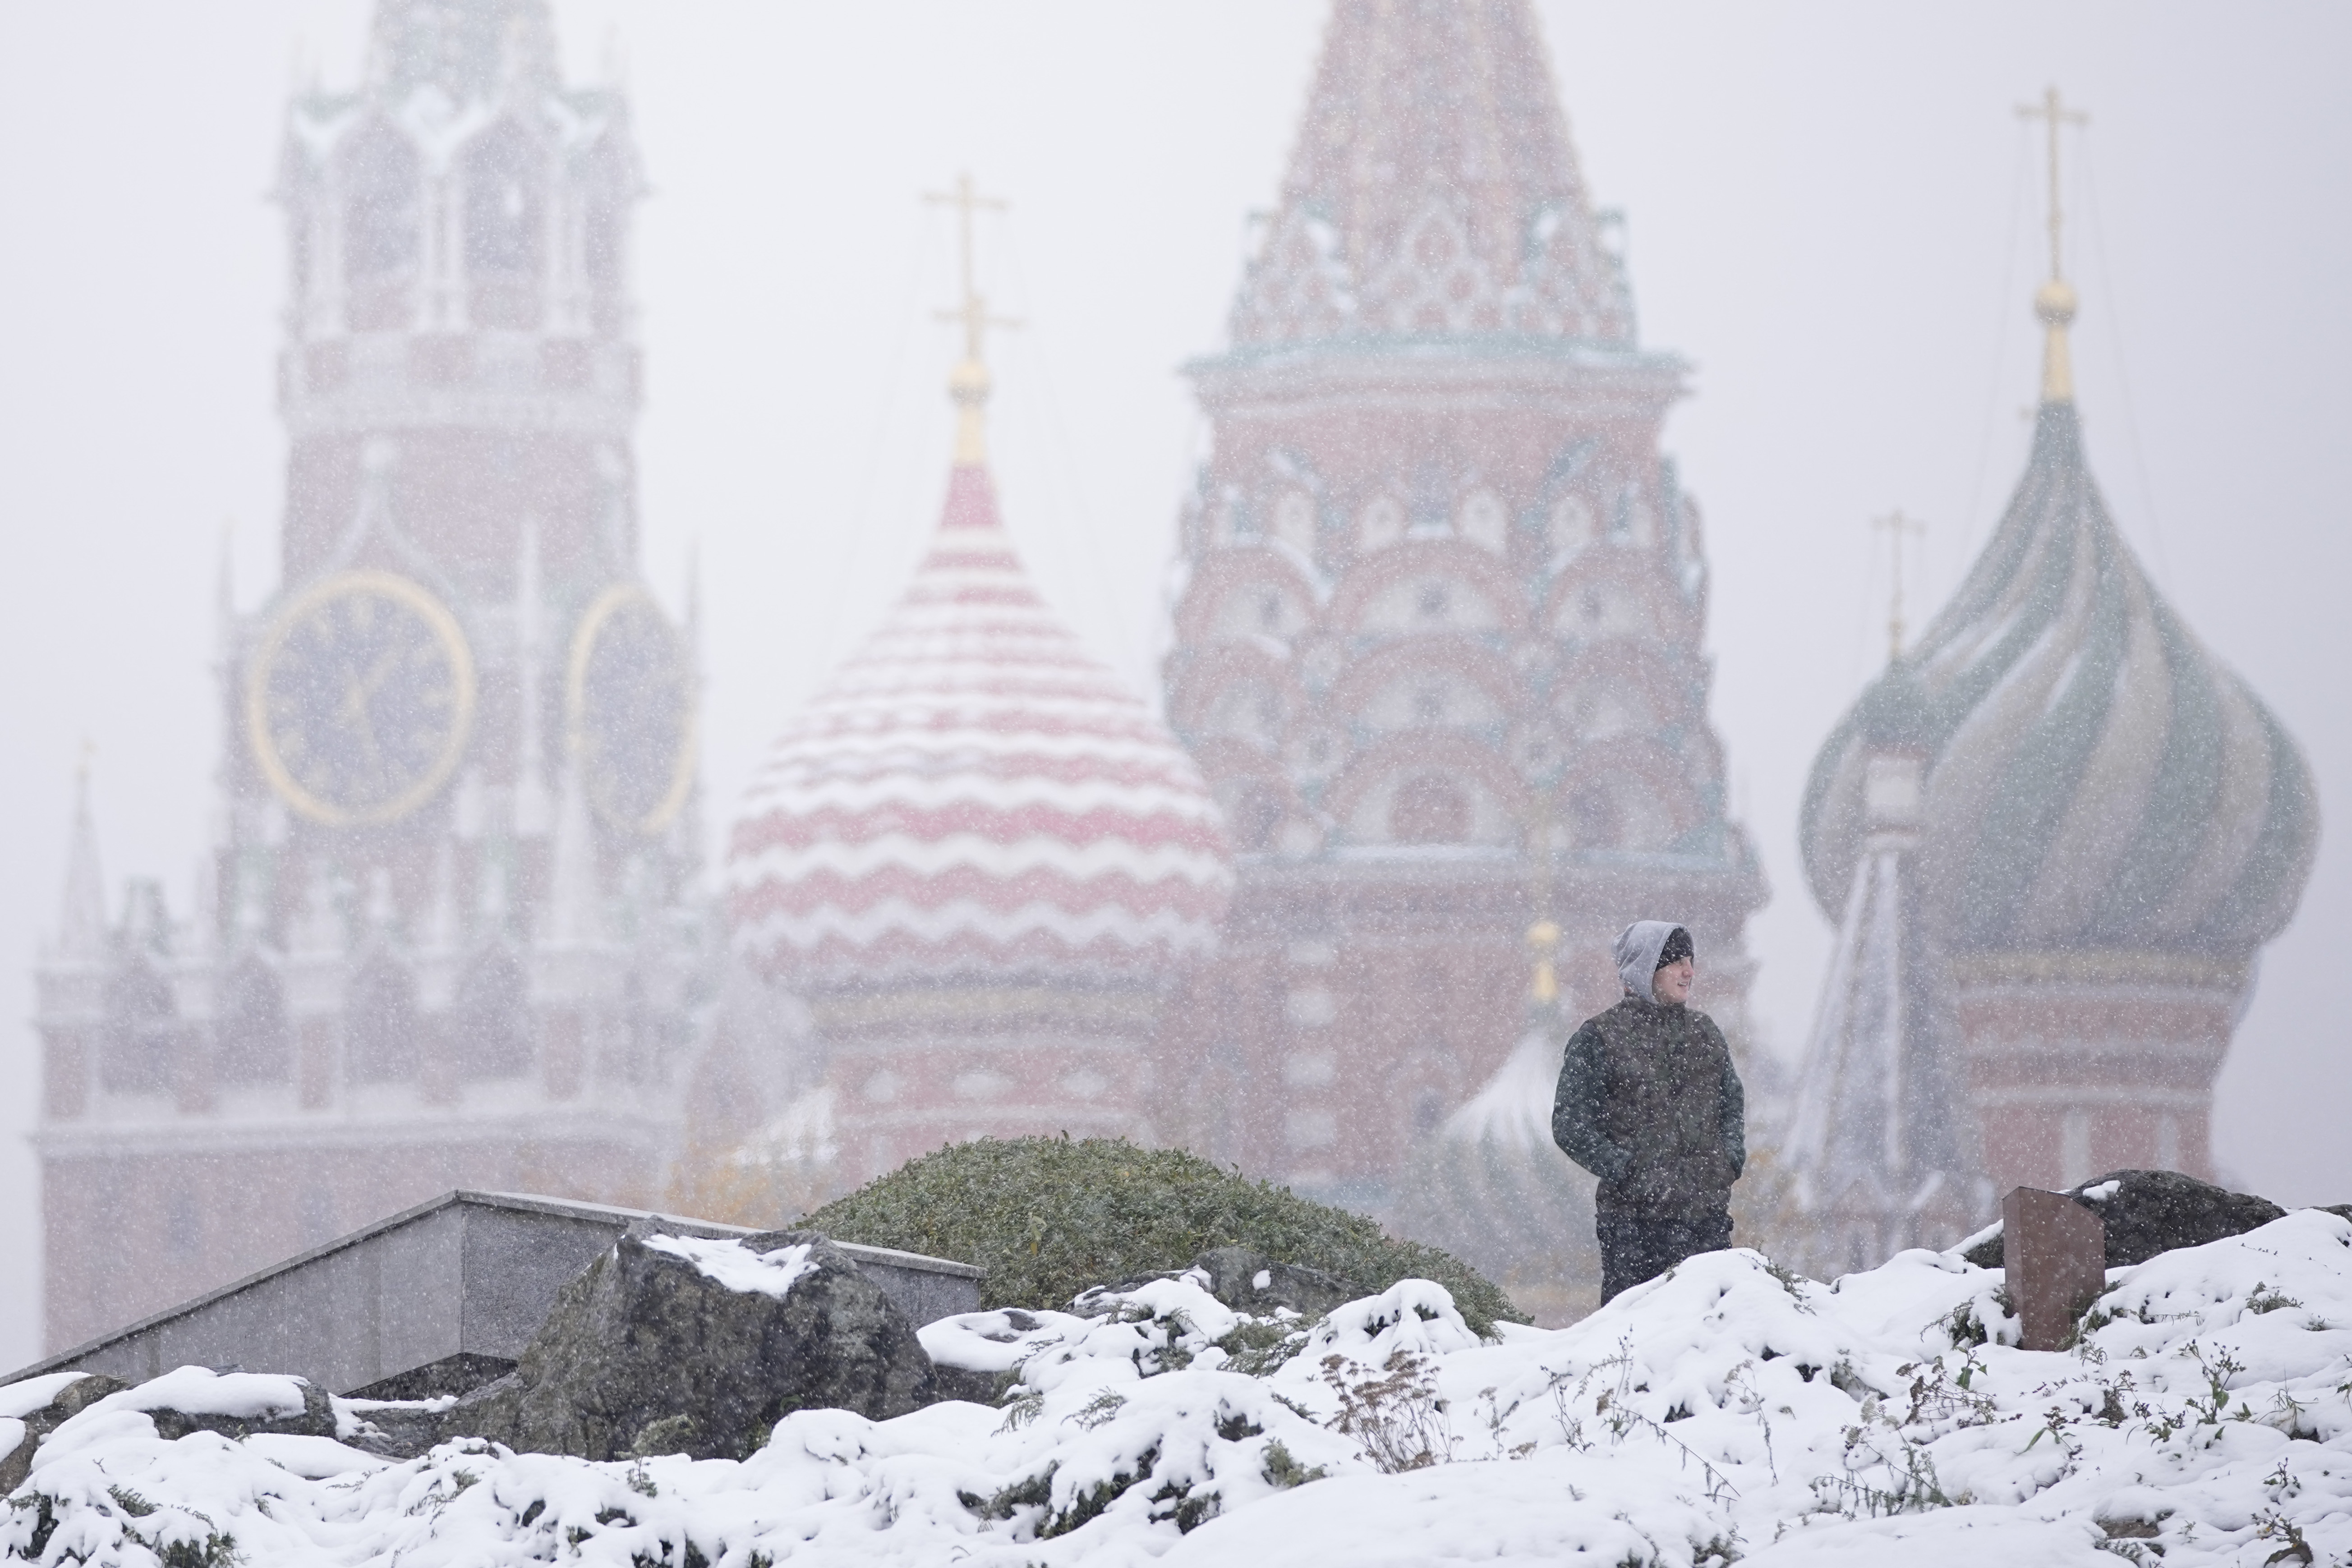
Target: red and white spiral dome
<point x="973" y="794"/>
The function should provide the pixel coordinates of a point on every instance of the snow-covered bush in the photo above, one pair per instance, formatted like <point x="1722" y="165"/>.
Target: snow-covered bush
<point x="1048" y="1217"/>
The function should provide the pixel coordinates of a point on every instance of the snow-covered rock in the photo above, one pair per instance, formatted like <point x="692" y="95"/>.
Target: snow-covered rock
<point x="31" y="1410"/>
<point x="673" y="1344"/>
<point x="2146" y="1213"/>
<point x="1727" y="1409"/>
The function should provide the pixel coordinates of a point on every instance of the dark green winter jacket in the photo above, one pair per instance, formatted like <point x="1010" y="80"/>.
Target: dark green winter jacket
<point x="1649" y="1102"/>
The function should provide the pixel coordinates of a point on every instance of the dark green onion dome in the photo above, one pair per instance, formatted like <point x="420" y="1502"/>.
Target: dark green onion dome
<point x="2096" y="781"/>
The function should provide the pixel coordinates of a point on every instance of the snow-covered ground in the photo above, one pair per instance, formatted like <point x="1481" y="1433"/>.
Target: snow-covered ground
<point x="1727" y="1410"/>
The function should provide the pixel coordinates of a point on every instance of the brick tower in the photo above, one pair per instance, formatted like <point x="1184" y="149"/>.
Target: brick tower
<point x="446" y="936"/>
<point x="1438" y="645"/>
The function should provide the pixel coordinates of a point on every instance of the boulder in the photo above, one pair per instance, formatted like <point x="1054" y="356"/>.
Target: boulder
<point x="39" y="1406"/>
<point x="190" y="1399"/>
<point x="674" y="1343"/>
<point x="233" y="1404"/>
<point x="1246" y="1281"/>
<point x="2149" y="1212"/>
<point x="1251" y="1282"/>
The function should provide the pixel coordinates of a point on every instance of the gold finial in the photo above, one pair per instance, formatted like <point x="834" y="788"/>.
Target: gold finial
<point x="2054" y="301"/>
<point x="1543" y="939"/>
<point x="1897" y="525"/>
<point x="968" y="384"/>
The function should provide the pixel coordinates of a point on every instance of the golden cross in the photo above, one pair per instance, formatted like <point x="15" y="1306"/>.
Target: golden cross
<point x="2057" y="114"/>
<point x="1897" y="525"/>
<point x="974" y="310"/>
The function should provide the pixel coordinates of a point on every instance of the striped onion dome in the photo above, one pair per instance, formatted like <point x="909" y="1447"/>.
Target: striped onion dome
<point x="2096" y="781"/>
<point x="973" y="794"/>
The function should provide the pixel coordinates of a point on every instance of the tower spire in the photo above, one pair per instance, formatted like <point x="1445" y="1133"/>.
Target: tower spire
<point x="81" y="916"/>
<point x="1434" y="194"/>
<point x="968" y="384"/>
<point x="1896" y="525"/>
<point x="2054" y="301"/>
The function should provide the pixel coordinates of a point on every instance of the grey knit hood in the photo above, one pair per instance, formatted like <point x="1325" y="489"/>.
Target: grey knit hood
<point x="1637" y="949"/>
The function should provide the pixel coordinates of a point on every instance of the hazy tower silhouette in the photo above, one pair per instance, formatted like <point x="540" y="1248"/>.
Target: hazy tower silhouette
<point x="446" y="936"/>
<point x="1438" y="644"/>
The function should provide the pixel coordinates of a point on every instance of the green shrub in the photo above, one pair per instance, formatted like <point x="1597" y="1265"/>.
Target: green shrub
<point x="1048" y="1217"/>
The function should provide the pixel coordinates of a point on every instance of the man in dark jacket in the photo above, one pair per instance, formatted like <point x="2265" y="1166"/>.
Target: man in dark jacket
<point x="1649" y="1102"/>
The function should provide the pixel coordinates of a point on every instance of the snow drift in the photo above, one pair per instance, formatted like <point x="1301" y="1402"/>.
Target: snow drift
<point x="1728" y="1411"/>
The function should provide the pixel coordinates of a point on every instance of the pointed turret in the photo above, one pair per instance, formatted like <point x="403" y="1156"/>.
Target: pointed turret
<point x="1881" y="1148"/>
<point x="70" y="979"/>
<point x="1434" y="191"/>
<point x="80" y="935"/>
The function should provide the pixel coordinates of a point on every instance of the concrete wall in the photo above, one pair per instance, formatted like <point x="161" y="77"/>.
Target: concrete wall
<point x="437" y="1299"/>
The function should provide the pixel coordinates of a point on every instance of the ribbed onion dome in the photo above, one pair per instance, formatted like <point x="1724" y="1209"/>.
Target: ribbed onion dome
<point x="972" y="792"/>
<point x="2096" y="780"/>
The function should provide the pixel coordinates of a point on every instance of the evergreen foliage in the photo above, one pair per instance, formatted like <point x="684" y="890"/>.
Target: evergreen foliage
<point x="1049" y="1218"/>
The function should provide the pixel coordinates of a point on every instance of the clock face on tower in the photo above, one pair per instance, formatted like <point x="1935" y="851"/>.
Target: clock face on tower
<point x="358" y="698"/>
<point x="631" y="701"/>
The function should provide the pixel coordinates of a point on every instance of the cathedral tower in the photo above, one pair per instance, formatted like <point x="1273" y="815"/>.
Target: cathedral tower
<point x="447" y="938"/>
<point x="1438" y="645"/>
<point x="2101" y="826"/>
<point x="976" y="855"/>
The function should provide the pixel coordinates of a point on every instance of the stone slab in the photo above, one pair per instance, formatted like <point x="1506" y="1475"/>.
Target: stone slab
<point x="437" y="1299"/>
<point x="2055" y="1251"/>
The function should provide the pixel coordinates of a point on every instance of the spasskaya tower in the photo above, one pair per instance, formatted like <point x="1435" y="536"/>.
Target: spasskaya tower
<point x="447" y="936"/>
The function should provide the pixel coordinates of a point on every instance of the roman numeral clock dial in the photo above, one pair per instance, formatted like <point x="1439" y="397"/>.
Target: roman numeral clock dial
<point x="360" y="698"/>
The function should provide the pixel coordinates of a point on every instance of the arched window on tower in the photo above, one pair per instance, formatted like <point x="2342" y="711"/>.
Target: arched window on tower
<point x="506" y="227"/>
<point x="380" y="1023"/>
<point x="254" y="1045"/>
<point x="383" y="209"/>
<point x="1429" y="808"/>
<point x="491" y="1025"/>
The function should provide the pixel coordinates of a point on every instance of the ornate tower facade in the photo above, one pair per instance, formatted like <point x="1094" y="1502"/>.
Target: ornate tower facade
<point x="447" y="935"/>
<point x="1438" y="640"/>
<point x="2102" y="826"/>
<point x="978" y="857"/>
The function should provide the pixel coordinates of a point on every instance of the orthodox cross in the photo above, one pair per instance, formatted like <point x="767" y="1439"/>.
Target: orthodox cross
<point x="974" y="310"/>
<point x="2057" y="114"/>
<point x="1896" y="526"/>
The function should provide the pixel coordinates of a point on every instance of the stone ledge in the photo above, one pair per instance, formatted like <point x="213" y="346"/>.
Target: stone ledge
<point x="436" y="1300"/>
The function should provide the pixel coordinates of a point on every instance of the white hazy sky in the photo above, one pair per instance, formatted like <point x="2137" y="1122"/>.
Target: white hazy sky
<point x="1833" y="213"/>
